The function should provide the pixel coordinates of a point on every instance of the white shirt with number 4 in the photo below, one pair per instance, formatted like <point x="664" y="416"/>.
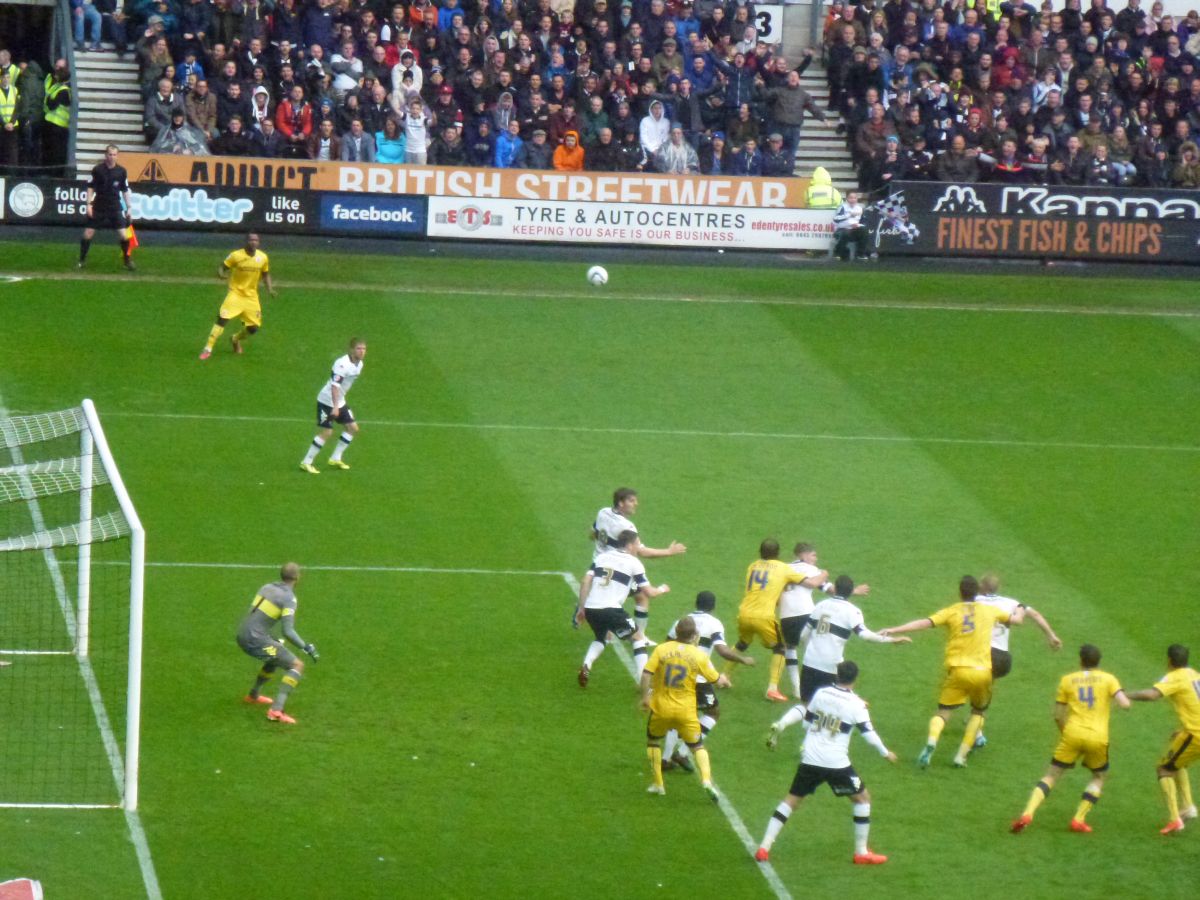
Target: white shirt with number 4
<point x="345" y="372"/>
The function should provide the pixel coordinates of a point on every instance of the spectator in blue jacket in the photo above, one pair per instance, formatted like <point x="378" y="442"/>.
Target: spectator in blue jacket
<point x="746" y="160"/>
<point x="508" y="144"/>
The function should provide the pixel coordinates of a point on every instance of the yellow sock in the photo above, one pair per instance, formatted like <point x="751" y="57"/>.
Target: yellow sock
<point x="1184" y="785"/>
<point x="936" y="724"/>
<point x="217" y="331"/>
<point x="242" y="335"/>
<point x="701" y="754"/>
<point x="778" y="661"/>
<point x="973" y="725"/>
<point x="655" y="754"/>
<point x="1035" y="799"/>
<point x="1167" y="783"/>
<point x="1090" y="798"/>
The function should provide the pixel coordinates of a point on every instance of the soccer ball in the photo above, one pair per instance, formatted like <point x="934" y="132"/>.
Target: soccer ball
<point x="597" y="275"/>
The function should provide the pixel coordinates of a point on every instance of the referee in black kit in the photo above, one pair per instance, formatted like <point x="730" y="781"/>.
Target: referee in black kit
<point x="107" y="205"/>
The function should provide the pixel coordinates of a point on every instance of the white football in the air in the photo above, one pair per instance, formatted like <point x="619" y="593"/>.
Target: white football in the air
<point x="597" y="275"/>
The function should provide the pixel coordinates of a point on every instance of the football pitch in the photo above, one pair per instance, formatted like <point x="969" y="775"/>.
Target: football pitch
<point x="914" y="426"/>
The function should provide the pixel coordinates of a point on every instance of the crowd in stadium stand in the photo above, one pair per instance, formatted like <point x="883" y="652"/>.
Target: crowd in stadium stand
<point x="966" y="90"/>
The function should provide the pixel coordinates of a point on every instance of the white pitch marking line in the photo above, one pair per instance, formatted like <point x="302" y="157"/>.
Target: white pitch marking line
<point x="684" y="432"/>
<point x="808" y="302"/>
<point x="133" y="821"/>
<point x="731" y="813"/>
<point x="419" y="570"/>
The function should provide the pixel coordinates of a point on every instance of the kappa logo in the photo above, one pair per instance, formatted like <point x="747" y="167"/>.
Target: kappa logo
<point x="959" y="199"/>
<point x="153" y="172"/>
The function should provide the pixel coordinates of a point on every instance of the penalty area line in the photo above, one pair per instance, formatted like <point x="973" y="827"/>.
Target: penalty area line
<point x="730" y="812"/>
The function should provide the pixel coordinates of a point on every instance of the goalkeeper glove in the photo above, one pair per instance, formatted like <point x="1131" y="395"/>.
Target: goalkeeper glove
<point x="312" y="651"/>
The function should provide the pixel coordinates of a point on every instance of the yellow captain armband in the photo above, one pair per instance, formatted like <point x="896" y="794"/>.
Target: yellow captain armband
<point x="265" y="606"/>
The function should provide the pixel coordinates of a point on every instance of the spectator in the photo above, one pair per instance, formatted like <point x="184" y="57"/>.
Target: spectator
<point x="10" y="123"/>
<point x="535" y="153"/>
<point x="389" y="142"/>
<point x="180" y="138"/>
<point x="777" y="161"/>
<point x="31" y="112"/>
<point x="294" y="119"/>
<point x="569" y="155"/>
<point x="234" y="140"/>
<point x="56" y="129"/>
<point x="159" y="110"/>
<point x="114" y="22"/>
<point x="1100" y="171"/>
<point x="633" y="156"/>
<point x="654" y="129"/>
<point x="357" y="144"/>
<point x="377" y="110"/>
<point x="1121" y="155"/>
<point x="195" y="23"/>
<point x="788" y="105"/>
<point x="323" y="144"/>
<point x="743" y="127"/>
<point x="1070" y="166"/>
<point x="958" y="164"/>
<point x="260" y="108"/>
<point x="481" y="144"/>
<point x="267" y="140"/>
<point x="746" y="159"/>
<point x="85" y="18"/>
<point x="605" y="154"/>
<point x="593" y="120"/>
<point x="233" y="103"/>
<point x="1187" y="172"/>
<point x="714" y="157"/>
<point x="848" y="230"/>
<point x="448" y="148"/>
<point x="416" y="132"/>
<point x="508" y="145"/>
<point x="677" y="156"/>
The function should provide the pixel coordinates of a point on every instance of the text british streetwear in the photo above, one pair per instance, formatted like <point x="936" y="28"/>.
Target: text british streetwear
<point x="1039" y="221"/>
<point x="529" y="205"/>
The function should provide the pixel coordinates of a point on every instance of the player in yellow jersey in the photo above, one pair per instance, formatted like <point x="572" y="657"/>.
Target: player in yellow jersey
<point x="968" y="663"/>
<point x="1081" y="711"/>
<point x="243" y="268"/>
<point x="1181" y="685"/>
<point x="758" y="616"/>
<point x="669" y="693"/>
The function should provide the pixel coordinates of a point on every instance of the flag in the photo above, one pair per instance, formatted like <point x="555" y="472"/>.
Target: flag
<point x="131" y="236"/>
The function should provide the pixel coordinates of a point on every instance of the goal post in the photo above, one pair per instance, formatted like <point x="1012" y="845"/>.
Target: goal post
<point x="70" y="641"/>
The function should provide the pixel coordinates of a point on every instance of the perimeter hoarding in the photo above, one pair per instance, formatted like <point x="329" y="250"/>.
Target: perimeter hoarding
<point x="536" y="205"/>
<point x="1038" y="221"/>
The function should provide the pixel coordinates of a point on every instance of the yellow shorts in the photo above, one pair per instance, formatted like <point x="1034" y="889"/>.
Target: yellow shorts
<point x="766" y="630"/>
<point x="1071" y="749"/>
<point x="239" y="306"/>
<point x="963" y="684"/>
<point x="688" y="726"/>
<point x="1182" y="751"/>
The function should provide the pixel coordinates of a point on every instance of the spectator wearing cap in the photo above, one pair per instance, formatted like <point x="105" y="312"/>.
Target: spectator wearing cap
<point x="777" y="161"/>
<point x="605" y="154"/>
<point x="445" y="109"/>
<point x="668" y="61"/>
<point x="535" y="153"/>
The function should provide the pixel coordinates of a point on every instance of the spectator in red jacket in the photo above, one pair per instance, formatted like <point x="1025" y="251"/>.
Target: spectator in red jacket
<point x="293" y="118"/>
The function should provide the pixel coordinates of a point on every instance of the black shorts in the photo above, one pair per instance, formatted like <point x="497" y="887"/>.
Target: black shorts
<point x="326" y="418"/>
<point x="102" y="218"/>
<point x="706" y="697"/>
<point x="812" y="680"/>
<point x="613" y="619"/>
<point x="1001" y="663"/>
<point x="843" y="782"/>
<point x="791" y="628"/>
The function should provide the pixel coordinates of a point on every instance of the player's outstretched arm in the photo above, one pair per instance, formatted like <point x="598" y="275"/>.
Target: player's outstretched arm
<point x="1122" y="700"/>
<point x="1149" y="694"/>
<point x="649" y="592"/>
<point x="1038" y="619"/>
<point x="674" y="549"/>
<point x="914" y="625"/>
<point x="726" y="652"/>
<point x="791" y="717"/>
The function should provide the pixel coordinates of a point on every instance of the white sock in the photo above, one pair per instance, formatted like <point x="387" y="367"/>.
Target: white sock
<point x="641" y="650"/>
<point x="862" y="826"/>
<point x="313" y="449"/>
<point x="669" y="743"/>
<point x="793" y="669"/>
<point x="343" y="443"/>
<point x="707" y="724"/>
<point x="595" y="648"/>
<point x="775" y="824"/>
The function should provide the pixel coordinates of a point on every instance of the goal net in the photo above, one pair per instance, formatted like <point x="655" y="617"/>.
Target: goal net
<point x="71" y="561"/>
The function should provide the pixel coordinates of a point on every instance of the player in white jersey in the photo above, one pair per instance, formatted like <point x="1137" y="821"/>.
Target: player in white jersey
<point x="832" y="622"/>
<point x="989" y="585"/>
<point x="606" y="586"/>
<point x="610" y="522"/>
<point x="829" y="719"/>
<point x="711" y="640"/>
<point x="331" y="407"/>
<point x="796" y="603"/>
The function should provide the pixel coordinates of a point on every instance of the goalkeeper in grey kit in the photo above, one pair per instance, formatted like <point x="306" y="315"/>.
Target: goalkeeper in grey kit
<point x="275" y="603"/>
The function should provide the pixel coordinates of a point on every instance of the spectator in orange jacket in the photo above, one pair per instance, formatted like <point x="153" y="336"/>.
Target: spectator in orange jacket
<point x="568" y="156"/>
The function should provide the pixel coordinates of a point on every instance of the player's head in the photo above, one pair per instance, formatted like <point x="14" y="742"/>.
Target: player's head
<point x="1089" y="656"/>
<point x="251" y="242"/>
<point x="289" y="572"/>
<point x="847" y="672"/>
<point x="769" y="549"/>
<point x="685" y="630"/>
<point x="626" y="539"/>
<point x="706" y="601"/>
<point x="1177" y="655"/>
<point x="804" y="549"/>
<point x="625" y="499"/>
<point x="358" y="349"/>
<point x="844" y="586"/>
<point x="968" y="587"/>
<point x="989" y="583"/>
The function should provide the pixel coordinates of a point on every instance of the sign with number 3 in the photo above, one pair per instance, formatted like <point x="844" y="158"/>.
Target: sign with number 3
<point x="769" y="21"/>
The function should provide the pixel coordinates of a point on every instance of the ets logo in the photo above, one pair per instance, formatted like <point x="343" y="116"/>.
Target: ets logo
<point x="469" y="218"/>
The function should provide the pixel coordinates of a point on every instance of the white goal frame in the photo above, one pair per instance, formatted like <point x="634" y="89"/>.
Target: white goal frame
<point x="93" y="443"/>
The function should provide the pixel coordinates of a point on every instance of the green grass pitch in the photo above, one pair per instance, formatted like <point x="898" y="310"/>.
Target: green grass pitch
<point x="916" y="427"/>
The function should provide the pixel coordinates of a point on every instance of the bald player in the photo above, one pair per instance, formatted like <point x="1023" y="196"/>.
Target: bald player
<point x="275" y="604"/>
